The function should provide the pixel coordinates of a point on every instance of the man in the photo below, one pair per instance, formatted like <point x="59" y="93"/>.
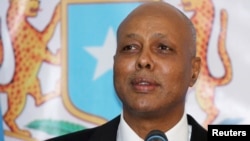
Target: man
<point x="154" y="65"/>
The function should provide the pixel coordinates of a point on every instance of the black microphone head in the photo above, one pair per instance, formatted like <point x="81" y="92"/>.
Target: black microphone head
<point x="156" y="135"/>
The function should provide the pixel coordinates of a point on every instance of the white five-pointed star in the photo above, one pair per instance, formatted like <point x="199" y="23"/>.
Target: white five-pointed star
<point x="104" y="54"/>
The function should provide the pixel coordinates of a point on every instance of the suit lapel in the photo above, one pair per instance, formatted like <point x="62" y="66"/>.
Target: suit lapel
<point x="198" y="132"/>
<point x="107" y="132"/>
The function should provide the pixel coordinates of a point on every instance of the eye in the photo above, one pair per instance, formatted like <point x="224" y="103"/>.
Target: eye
<point x="129" y="48"/>
<point x="164" y="48"/>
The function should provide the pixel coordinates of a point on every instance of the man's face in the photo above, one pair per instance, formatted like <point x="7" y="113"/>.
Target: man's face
<point x="153" y="65"/>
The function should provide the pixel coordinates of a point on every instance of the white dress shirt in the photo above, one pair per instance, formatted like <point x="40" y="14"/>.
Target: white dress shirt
<point x="180" y="132"/>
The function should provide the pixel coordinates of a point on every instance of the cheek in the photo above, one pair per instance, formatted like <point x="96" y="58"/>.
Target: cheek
<point x="123" y="66"/>
<point x="174" y="77"/>
<point x="122" y="71"/>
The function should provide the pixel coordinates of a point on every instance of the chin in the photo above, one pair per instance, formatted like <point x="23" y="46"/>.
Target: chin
<point x="145" y="109"/>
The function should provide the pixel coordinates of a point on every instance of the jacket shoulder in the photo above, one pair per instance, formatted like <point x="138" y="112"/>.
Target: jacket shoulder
<point x="103" y="132"/>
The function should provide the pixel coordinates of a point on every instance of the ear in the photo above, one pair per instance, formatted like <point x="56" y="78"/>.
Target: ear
<point x="196" y="64"/>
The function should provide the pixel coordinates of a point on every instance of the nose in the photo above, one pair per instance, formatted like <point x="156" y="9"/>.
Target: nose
<point x="144" y="61"/>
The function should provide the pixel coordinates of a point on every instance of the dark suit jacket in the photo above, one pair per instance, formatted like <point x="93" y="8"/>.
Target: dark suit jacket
<point x="107" y="132"/>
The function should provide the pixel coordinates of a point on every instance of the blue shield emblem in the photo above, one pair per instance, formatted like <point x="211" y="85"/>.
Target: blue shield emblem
<point x="89" y="40"/>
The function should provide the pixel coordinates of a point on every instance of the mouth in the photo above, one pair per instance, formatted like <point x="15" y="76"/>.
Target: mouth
<point x="144" y="85"/>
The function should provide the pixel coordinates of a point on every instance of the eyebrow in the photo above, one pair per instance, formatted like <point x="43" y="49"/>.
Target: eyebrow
<point x="133" y="35"/>
<point x="156" y="35"/>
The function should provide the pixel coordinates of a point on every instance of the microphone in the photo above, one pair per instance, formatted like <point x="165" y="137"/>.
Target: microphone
<point x="156" y="135"/>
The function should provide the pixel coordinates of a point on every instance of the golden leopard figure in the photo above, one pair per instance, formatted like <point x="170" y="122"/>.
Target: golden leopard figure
<point x="30" y="51"/>
<point x="203" y="20"/>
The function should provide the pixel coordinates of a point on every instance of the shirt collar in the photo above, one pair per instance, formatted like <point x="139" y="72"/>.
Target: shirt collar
<point x="180" y="132"/>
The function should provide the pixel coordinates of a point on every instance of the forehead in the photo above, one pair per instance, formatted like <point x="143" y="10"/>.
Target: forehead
<point x="153" y="23"/>
<point x="156" y="21"/>
<point x="155" y="9"/>
<point x="167" y="21"/>
<point x="155" y="16"/>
